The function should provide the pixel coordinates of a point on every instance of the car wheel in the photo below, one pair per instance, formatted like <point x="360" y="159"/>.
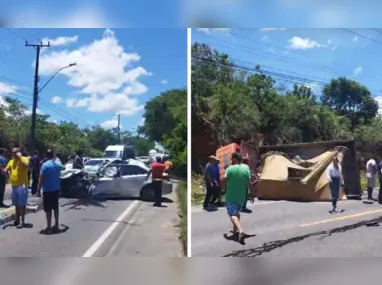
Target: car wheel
<point x="147" y="193"/>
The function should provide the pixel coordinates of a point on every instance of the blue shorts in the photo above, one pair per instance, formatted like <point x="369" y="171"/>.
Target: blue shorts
<point x="19" y="196"/>
<point x="233" y="209"/>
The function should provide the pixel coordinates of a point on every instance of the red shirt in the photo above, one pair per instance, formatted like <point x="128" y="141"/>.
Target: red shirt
<point x="157" y="170"/>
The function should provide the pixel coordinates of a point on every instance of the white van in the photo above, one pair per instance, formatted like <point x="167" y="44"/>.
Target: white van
<point x="122" y="152"/>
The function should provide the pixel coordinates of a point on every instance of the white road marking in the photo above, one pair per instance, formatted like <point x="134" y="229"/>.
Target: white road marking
<point x="93" y="249"/>
<point x="259" y="203"/>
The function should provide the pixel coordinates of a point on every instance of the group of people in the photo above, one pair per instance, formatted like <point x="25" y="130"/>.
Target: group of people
<point x="240" y="187"/>
<point x="45" y="174"/>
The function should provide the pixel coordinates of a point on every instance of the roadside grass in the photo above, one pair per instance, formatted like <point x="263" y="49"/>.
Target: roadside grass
<point x="182" y="196"/>
<point x="197" y="189"/>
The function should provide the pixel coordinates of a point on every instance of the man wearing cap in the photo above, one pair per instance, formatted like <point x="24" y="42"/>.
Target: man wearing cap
<point x="210" y="179"/>
<point x="50" y="183"/>
<point x="18" y="169"/>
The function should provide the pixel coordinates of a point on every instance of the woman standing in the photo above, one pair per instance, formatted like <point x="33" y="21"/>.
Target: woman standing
<point x="334" y="174"/>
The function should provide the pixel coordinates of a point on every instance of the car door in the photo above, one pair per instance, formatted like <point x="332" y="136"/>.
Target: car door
<point x="132" y="179"/>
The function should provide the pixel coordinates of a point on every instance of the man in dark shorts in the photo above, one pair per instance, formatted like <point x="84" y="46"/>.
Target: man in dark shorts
<point x="157" y="170"/>
<point x="238" y="182"/>
<point x="50" y="183"/>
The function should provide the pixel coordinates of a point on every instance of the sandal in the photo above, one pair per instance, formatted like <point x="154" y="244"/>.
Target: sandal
<point x="47" y="231"/>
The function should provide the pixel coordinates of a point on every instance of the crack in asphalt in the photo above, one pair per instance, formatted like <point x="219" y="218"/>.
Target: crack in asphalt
<point x="270" y="246"/>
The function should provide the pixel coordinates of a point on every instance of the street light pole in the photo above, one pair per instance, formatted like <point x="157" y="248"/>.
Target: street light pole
<point x="34" y="107"/>
<point x="57" y="72"/>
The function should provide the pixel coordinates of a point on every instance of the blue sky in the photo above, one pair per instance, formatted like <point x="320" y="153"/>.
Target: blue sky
<point x="192" y="13"/>
<point x="117" y="70"/>
<point x="313" y="56"/>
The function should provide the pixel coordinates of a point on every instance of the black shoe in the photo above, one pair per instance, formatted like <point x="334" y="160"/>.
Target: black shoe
<point x="241" y="238"/>
<point x="2" y="205"/>
<point x="246" y="210"/>
<point x="16" y="223"/>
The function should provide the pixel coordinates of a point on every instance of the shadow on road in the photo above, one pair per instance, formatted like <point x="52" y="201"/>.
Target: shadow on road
<point x="12" y="225"/>
<point x="62" y="229"/>
<point x="77" y="204"/>
<point x="110" y="221"/>
<point x="269" y="246"/>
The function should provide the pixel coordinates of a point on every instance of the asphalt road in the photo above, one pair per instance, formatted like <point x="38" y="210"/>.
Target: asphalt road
<point x="290" y="230"/>
<point x="98" y="228"/>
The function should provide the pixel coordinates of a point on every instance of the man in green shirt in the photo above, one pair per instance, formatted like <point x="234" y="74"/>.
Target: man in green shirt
<point x="238" y="181"/>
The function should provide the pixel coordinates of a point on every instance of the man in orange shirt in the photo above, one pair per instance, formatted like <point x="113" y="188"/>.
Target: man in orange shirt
<point x="18" y="168"/>
<point x="157" y="170"/>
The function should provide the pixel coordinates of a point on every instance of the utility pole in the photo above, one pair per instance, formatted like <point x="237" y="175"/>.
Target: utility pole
<point x="119" y="127"/>
<point x="35" y="93"/>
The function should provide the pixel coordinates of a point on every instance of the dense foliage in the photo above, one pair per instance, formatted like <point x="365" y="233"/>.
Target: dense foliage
<point x="230" y="104"/>
<point x="65" y="137"/>
<point x="166" y="122"/>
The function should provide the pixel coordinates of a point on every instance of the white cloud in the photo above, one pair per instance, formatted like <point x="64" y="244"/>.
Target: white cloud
<point x="104" y="72"/>
<point x="271" y="29"/>
<point x="61" y="41"/>
<point x="300" y="43"/>
<point x="355" y="39"/>
<point x="7" y="89"/>
<point x="209" y="30"/>
<point x="334" y="48"/>
<point x="110" y="124"/>
<point x="164" y="81"/>
<point x="29" y="112"/>
<point x="357" y="71"/>
<point x="329" y="42"/>
<point x="57" y="100"/>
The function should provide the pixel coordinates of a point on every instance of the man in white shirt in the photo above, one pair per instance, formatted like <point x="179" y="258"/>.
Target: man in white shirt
<point x="371" y="171"/>
<point x="334" y="174"/>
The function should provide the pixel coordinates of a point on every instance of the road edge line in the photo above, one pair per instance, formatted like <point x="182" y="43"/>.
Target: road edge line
<point x="106" y="234"/>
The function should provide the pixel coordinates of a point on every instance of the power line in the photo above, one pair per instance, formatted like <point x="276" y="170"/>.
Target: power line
<point x="16" y="35"/>
<point x="362" y="36"/>
<point x="28" y="31"/>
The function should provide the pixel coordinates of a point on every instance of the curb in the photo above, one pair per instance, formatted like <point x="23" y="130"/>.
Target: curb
<point x="11" y="215"/>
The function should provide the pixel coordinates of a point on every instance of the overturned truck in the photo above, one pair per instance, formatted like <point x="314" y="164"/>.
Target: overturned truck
<point x="298" y="171"/>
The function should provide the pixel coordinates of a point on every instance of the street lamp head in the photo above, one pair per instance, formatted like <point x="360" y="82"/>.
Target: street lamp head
<point x="72" y="64"/>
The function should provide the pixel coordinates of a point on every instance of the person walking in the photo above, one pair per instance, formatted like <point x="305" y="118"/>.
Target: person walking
<point x="210" y="179"/>
<point x="157" y="170"/>
<point x="371" y="171"/>
<point x="36" y="166"/>
<point x="334" y="175"/>
<point x="238" y="182"/>
<point x="18" y="169"/>
<point x="49" y="181"/>
<point x="3" y="178"/>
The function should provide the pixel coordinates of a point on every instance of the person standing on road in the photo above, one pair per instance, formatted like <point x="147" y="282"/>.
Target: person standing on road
<point x="36" y="166"/>
<point x="3" y="178"/>
<point x="218" y="192"/>
<point x="49" y="181"/>
<point x="238" y="182"/>
<point x="78" y="162"/>
<point x="210" y="179"/>
<point x="371" y="171"/>
<point x="157" y="170"/>
<point x="334" y="175"/>
<point x="18" y="169"/>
